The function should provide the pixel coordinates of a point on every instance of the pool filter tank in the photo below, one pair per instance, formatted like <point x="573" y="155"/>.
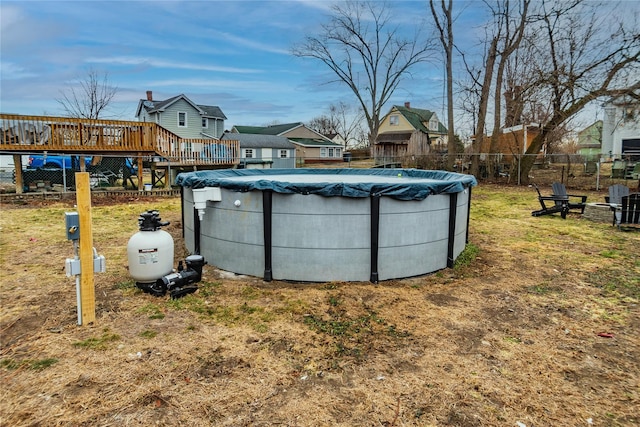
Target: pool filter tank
<point x="150" y="251"/>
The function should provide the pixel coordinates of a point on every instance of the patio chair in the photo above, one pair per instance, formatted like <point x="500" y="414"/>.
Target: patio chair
<point x="630" y="210"/>
<point x="616" y="193"/>
<point x="560" y="190"/>
<point x="560" y="204"/>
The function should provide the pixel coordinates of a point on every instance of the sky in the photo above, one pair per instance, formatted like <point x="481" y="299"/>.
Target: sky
<point x="232" y="54"/>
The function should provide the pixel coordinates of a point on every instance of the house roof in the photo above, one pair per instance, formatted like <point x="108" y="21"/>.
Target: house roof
<point x="248" y="140"/>
<point x="320" y="141"/>
<point x="417" y="117"/>
<point x="268" y="130"/>
<point x="151" y="107"/>
<point x="310" y="142"/>
<point x="211" y="111"/>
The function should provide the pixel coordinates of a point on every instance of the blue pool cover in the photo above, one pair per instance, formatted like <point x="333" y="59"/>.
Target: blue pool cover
<point x="401" y="184"/>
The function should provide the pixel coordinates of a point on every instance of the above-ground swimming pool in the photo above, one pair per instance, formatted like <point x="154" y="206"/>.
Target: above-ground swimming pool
<point x="322" y="225"/>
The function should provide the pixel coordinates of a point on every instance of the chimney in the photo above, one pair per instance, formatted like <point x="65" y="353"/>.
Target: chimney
<point x="407" y="104"/>
<point x="149" y="95"/>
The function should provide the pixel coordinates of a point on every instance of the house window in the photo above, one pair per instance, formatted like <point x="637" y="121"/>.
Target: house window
<point x="205" y="122"/>
<point x="330" y="152"/>
<point x="182" y="119"/>
<point x="284" y="154"/>
<point x="248" y="153"/>
<point x="323" y="152"/>
<point x="394" y="120"/>
<point x="433" y="124"/>
<point x="338" y="152"/>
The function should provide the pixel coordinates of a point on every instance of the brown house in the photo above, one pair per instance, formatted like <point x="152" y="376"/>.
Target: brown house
<point x="512" y="141"/>
<point x="406" y="134"/>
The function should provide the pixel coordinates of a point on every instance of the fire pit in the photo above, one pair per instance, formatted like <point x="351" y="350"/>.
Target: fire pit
<point x="599" y="212"/>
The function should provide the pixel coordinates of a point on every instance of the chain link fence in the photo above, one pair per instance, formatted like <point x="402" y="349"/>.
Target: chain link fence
<point x="57" y="173"/>
<point x="575" y="171"/>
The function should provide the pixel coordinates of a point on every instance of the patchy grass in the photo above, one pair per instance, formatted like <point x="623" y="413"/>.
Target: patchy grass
<point x="536" y="324"/>
<point x="35" y="365"/>
<point x="467" y="256"/>
<point x="98" y="343"/>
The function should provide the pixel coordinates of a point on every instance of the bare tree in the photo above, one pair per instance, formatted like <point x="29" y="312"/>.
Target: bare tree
<point x="348" y="122"/>
<point x="507" y="46"/>
<point x="343" y="120"/>
<point x="444" y="24"/>
<point x="323" y="124"/>
<point x="480" y="89"/>
<point x="90" y="98"/>
<point x="365" y="51"/>
<point x="584" y="56"/>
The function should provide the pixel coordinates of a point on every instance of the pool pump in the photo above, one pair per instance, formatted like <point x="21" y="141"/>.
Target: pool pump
<point x="183" y="281"/>
<point x="150" y="253"/>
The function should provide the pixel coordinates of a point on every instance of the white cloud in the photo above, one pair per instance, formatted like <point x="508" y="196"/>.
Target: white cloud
<point x="11" y="71"/>
<point x="158" y="63"/>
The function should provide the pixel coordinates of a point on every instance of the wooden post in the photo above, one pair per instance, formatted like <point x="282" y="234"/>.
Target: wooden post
<point x="17" y="164"/>
<point x="140" y="179"/>
<point x="87" y="286"/>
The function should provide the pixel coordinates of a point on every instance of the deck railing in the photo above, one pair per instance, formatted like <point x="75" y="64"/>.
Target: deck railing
<point x="29" y="134"/>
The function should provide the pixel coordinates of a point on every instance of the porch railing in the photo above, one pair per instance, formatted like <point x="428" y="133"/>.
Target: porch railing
<point x="32" y="134"/>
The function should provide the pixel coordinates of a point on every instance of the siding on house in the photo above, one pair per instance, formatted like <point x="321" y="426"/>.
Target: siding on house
<point x="404" y="136"/>
<point x="165" y="113"/>
<point x="215" y="127"/>
<point x="511" y="141"/>
<point x="303" y="132"/>
<point x="282" y="163"/>
<point x="309" y="144"/>
<point x="590" y="140"/>
<point x="193" y="128"/>
<point x="403" y="124"/>
<point x="265" y="150"/>
<point x="317" y="150"/>
<point x="620" y="128"/>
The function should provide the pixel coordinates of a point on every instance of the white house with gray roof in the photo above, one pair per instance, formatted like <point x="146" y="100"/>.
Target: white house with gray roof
<point x="182" y="116"/>
<point x="311" y="146"/>
<point x="264" y="151"/>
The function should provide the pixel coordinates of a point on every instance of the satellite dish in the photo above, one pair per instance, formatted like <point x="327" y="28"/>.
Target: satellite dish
<point x="148" y="103"/>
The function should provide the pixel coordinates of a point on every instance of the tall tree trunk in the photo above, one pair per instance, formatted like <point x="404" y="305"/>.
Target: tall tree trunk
<point x="444" y="24"/>
<point x="478" y="145"/>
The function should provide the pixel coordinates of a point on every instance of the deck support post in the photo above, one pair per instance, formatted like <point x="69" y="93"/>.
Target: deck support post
<point x="17" y="164"/>
<point x="140" y="179"/>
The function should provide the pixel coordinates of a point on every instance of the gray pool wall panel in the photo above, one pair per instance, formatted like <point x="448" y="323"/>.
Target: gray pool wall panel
<point x="318" y="238"/>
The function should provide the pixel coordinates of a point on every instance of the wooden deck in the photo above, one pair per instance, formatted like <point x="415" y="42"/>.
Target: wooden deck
<point x="21" y="134"/>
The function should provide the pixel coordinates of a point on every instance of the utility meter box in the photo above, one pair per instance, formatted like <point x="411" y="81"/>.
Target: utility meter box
<point x="72" y="224"/>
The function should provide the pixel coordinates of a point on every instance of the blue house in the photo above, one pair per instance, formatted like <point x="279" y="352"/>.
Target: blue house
<point x="263" y="151"/>
<point x="182" y="116"/>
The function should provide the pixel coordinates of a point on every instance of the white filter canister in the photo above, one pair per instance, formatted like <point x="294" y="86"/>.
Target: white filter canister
<point x="150" y="255"/>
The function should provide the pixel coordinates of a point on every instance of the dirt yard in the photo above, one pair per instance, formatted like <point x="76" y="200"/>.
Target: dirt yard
<point x="538" y="325"/>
